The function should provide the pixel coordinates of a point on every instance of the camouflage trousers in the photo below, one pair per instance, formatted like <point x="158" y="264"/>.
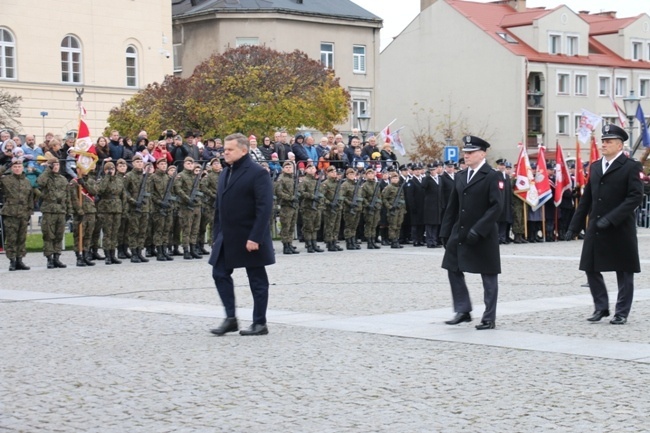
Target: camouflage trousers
<point x="331" y="224"/>
<point x="310" y="223"/>
<point x="189" y="220"/>
<point x="174" y="236"/>
<point x="395" y="223"/>
<point x="518" y="224"/>
<point x="15" y="235"/>
<point x="138" y="223"/>
<point x="351" y="221"/>
<point x="161" y="226"/>
<point x="123" y="232"/>
<point x="288" y="220"/>
<point x="111" y="226"/>
<point x="207" y="217"/>
<point x="88" y="226"/>
<point x="53" y="229"/>
<point x="371" y="221"/>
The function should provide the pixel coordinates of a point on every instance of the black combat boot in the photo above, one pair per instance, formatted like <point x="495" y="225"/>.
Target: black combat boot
<point x="349" y="244"/>
<point x="57" y="262"/>
<point x="127" y="254"/>
<point x="309" y="246"/>
<point x="176" y="251"/>
<point x="114" y="258"/>
<point x="194" y="251"/>
<point x="138" y="252"/>
<point x="376" y="244"/>
<point x="187" y="255"/>
<point x="80" y="259"/>
<point x="316" y="247"/>
<point x="167" y="253"/>
<point x="294" y="250"/>
<point x="160" y="256"/>
<point x="50" y="262"/>
<point x="337" y="246"/>
<point x="20" y="265"/>
<point x="12" y="264"/>
<point x="286" y="248"/>
<point x="120" y="252"/>
<point x="395" y="244"/>
<point x="107" y="257"/>
<point x="135" y="258"/>
<point x="371" y="246"/>
<point x="149" y="252"/>
<point x="202" y="249"/>
<point x="355" y="244"/>
<point x="330" y="246"/>
<point x="88" y="259"/>
<point x="96" y="255"/>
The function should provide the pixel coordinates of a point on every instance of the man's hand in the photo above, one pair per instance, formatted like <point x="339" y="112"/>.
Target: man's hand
<point x="603" y="223"/>
<point x="472" y="238"/>
<point x="252" y="246"/>
<point x="569" y="235"/>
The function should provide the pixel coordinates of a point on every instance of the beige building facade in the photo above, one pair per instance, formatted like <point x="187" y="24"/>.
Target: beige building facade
<point x="518" y="74"/>
<point x="111" y="49"/>
<point x="343" y="36"/>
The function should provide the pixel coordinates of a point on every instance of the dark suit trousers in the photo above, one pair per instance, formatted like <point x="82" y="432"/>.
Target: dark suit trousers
<point x="460" y="294"/>
<point x="598" y="290"/>
<point x="259" y="284"/>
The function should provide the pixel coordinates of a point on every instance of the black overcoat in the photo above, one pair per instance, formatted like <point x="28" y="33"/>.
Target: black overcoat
<point x="242" y="212"/>
<point x="477" y="206"/>
<point x="447" y="188"/>
<point x="432" y="200"/>
<point x="415" y="200"/>
<point x="613" y="195"/>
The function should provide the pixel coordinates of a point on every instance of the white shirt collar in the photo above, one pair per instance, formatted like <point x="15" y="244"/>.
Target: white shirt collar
<point x="604" y="161"/>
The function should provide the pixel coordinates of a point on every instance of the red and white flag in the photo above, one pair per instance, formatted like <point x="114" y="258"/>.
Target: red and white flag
<point x="562" y="177"/>
<point x="84" y="149"/>
<point x="619" y="112"/>
<point x="542" y="182"/>
<point x="525" y="182"/>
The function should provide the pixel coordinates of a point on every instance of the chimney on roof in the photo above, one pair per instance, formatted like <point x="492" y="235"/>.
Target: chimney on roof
<point x="425" y="4"/>
<point x="518" y="5"/>
<point x="611" y="14"/>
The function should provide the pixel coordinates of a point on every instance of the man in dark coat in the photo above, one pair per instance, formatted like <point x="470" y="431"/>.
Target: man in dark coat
<point x="241" y="236"/>
<point x="470" y="234"/>
<point x="505" y="219"/>
<point x="447" y="180"/>
<point x="610" y="197"/>
<point x="432" y="204"/>
<point x="415" y="203"/>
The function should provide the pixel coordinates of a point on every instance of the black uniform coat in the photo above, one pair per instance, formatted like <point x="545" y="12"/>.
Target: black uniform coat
<point x="477" y="206"/>
<point x="432" y="200"/>
<point x="242" y="212"/>
<point x="415" y="200"/>
<point x="447" y="188"/>
<point x="613" y="195"/>
<point x="506" y="213"/>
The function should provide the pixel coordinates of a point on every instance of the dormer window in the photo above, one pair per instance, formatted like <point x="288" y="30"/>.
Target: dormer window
<point x="554" y="44"/>
<point x="637" y="51"/>
<point x="572" y="45"/>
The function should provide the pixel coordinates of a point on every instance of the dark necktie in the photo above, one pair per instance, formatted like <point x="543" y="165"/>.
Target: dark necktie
<point x="606" y="165"/>
<point x="228" y="176"/>
<point x="471" y="173"/>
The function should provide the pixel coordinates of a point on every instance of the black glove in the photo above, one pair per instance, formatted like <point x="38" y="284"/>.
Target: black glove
<point x="472" y="237"/>
<point x="443" y="241"/>
<point x="603" y="223"/>
<point x="569" y="235"/>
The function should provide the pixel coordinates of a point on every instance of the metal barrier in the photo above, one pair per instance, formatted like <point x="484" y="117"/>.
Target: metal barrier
<point x="643" y="212"/>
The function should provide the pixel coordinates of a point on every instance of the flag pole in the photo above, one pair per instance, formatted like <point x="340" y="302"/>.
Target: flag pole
<point x="79" y="194"/>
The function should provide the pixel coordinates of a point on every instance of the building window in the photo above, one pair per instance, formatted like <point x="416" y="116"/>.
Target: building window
<point x="563" y="124"/>
<point x="358" y="106"/>
<point x="644" y="87"/>
<point x="581" y="85"/>
<point x="246" y="41"/>
<point x="507" y="37"/>
<point x="70" y="60"/>
<point x="576" y="123"/>
<point x="621" y="86"/>
<point x="610" y="120"/>
<point x="359" y="59"/>
<point x="572" y="46"/>
<point x="603" y="86"/>
<point x="637" y="51"/>
<point x="563" y="84"/>
<point x="7" y="55"/>
<point x="131" y="66"/>
<point x="178" y="57"/>
<point x="554" y="44"/>
<point x="327" y="54"/>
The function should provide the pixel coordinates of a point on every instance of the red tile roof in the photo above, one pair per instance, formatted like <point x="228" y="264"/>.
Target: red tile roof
<point x="494" y="18"/>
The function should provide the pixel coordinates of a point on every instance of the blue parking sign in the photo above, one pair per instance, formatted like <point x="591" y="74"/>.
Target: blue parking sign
<point x="451" y="153"/>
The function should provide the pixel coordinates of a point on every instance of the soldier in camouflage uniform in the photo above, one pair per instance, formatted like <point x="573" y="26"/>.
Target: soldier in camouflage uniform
<point x="518" y="220"/>
<point x="110" y="191"/>
<point x="81" y="192"/>
<point x="161" y="210"/>
<point x="331" y="190"/>
<point x="174" y="236"/>
<point x="395" y="208"/>
<point x="16" y="212"/>
<point x="134" y="181"/>
<point x="352" y="206"/>
<point x="371" y="191"/>
<point x="97" y="230"/>
<point x="287" y="199"/>
<point x="55" y="206"/>
<point x="123" y="232"/>
<point x="208" y="187"/>
<point x="189" y="212"/>
<point x="310" y="208"/>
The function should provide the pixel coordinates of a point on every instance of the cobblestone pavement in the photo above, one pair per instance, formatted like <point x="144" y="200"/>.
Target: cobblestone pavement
<point x="356" y="344"/>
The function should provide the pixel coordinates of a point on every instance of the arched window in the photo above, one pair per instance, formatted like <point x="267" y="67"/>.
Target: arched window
<point x="131" y="66"/>
<point x="7" y="55"/>
<point x="70" y="60"/>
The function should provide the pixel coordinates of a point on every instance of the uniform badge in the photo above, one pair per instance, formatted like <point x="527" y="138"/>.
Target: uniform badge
<point x="468" y="139"/>
<point x="606" y="129"/>
<point x="500" y="184"/>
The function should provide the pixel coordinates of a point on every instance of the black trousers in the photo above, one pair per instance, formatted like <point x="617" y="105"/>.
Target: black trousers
<point x="460" y="294"/>
<point x="431" y="233"/>
<point x="259" y="284"/>
<point x="598" y="290"/>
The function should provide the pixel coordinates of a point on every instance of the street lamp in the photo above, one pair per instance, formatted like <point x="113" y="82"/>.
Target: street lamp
<point x="631" y="104"/>
<point x="364" y="124"/>
<point x="44" y="113"/>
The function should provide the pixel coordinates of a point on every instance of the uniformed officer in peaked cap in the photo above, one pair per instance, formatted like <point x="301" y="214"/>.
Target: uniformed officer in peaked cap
<point x="469" y="232"/>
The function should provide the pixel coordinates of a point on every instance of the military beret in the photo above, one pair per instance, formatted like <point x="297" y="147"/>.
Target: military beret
<point x="213" y="160"/>
<point x="136" y="157"/>
<point x="349" y="170"/>
<point x="331" y="168"/>
<point x="614" y="131"/>
<point x="309" y="164"/>
<point x="53" y="160"/>
<point x="188" y="159"/>
<point x="108" y="165"/>
<point x="163" y="159"/>
<point x="285" y="163"/>
<point x="16" y="161"/>
<point x="121" y="161"/>
<point x="472" y="143"/>
<point x="370" y="170"/>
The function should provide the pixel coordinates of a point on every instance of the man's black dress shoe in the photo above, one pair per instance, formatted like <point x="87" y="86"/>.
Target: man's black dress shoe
<point x="228" y="325"/>
<point x="486" y="324"/>
<point x="459" y="318"/>
<point x="618" y="320"/>
<point x="255" y="329"/>
<point x="598" y="314"/>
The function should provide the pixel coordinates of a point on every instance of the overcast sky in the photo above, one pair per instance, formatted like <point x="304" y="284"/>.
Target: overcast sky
<point x="397" y="14"/>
